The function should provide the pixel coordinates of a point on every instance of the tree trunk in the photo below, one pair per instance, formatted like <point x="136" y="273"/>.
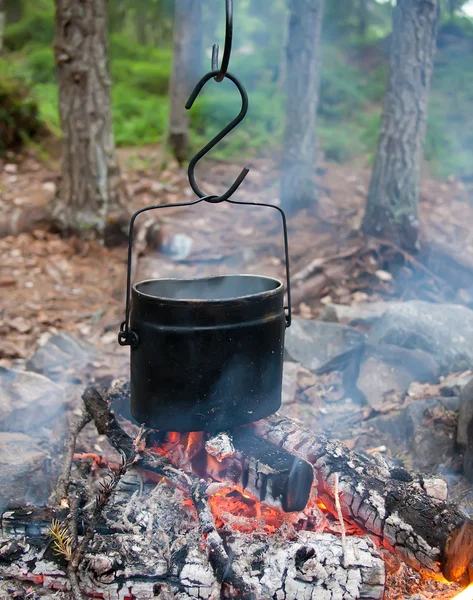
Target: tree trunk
<point x="196" y="52"/>
<point x="282" y="71"/>
<point x="186" y="61"/>
<point x="363" y="18"/>
<point x="391" y="210"/>
<point x="91" y="198"/>
<point x="2" y="23"/>
<point x="298" y="188"/>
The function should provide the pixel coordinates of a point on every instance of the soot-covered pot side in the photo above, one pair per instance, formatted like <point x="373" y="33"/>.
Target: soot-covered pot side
<point x="210" y="351"/>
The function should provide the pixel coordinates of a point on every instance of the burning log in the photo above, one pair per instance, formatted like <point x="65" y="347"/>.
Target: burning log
<point x="148" y="543"/>
<point x="268" y="473"/>
<point x="307" y="564"/>
<point x="391" y="504"/>
<point x="432" y="535"/>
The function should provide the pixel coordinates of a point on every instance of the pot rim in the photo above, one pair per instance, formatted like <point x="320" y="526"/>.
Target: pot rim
<point x="265" y="294"/>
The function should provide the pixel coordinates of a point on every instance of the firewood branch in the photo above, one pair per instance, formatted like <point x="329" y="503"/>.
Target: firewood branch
<point x="65" y="476"/>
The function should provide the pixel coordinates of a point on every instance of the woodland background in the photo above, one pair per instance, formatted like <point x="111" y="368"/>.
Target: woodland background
<point x="355" y="46"/>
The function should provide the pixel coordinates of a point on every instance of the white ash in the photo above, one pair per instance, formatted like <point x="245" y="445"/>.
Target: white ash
<point x="156" y="549"/>
<point x="220" y="446"/>
<point x="436" y="487"/>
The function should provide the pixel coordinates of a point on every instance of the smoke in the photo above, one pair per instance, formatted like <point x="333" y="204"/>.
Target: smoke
<point x="36" y="405"/>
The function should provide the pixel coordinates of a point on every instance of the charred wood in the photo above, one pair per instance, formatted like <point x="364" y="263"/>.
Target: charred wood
<point x="432" y="535"/>
<point x="268" y="473"/>
<point x="308" y="565"/>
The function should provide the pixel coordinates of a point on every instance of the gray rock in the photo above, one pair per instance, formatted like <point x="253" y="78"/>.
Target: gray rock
<point x="22" y="480"/>
<point x="386" y="368"/>
<point x="289" y="382"/>
<point x="60" y="352"/>
<point x="415" y="431"/>
<point x="27" y="400"/>
<point x="314" y="343"/>
<point x="465" y="414"/>
<point x="443" y="330"/>
<point x="366" y="312"/>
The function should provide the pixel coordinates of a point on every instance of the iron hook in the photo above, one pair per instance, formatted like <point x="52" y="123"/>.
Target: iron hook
<point x="213" y="142"/>
<point x="228" y="44"/>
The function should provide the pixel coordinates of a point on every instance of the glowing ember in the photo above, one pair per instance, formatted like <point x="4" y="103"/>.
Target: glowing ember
<point x="244" y="513"/>
<point x="64" y="503"/>
<point x="232" y="505"/>
<point x="173" y="437"/>
<point x="466" y="594"/>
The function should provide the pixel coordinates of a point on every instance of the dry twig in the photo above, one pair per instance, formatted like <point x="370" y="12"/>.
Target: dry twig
<point x="65" y="476"/>
<point x="340" y="518"/>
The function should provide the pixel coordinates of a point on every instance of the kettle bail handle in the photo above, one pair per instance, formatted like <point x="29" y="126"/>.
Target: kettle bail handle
<point x="128" y="337"/>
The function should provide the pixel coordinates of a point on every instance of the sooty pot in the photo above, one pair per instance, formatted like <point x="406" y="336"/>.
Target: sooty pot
<point x="206" y="354"/>
<point x="209" y="351"/>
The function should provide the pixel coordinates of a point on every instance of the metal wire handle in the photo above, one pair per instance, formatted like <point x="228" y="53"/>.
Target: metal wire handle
<point x="128" y="337"/>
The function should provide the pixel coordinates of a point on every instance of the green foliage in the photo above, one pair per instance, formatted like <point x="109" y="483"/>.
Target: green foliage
<point x="40" y="66"/>
<point x="46" y="95"/>
<point x="150" y="77"/>
<point x="449" y="143"/>
<point x="35" y="28"/>
<point x="262" y="129"/>
<point x="19" y="118"/>
<point x="353" y="78"/>
<point x="139" y="118"/>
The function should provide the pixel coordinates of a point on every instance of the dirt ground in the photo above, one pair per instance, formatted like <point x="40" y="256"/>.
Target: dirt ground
<point x="50" y="284"/>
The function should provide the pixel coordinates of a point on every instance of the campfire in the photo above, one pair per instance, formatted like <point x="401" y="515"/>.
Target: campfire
<point x="265" y="507"/>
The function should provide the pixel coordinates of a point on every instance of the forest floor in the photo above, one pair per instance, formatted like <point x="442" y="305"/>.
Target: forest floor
<point x="54" y="284"/>
<point x="50" y="285"/>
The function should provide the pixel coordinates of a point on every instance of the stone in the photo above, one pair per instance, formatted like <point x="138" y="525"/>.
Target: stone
<point x="443" y="330"/>
<point x="28" y="400"/>
<point x="385" y="369"/>
<point x="60" y="352"/>
<point x="424" y="430"/>
<point x="465" y="414"/>
<point x="22" y="477"/>
<point x="289" y="382"/>
<point x="314" y="343"/>
<point x="353" y="313"/>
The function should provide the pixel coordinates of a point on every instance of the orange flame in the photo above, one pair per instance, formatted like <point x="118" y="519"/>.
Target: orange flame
<point x="173" y="437"/>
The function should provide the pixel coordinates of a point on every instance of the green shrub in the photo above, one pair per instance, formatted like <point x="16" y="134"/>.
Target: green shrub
<point x="138" y="118"/>
<point x="120" y="46"/>
<point x="19" y="117"/>
<point x="35" y="28"/>
<point x="46" y="95"/>
<point x="261" y="129"/>
<point x="40" y="65"/>
<point x="145" y="76"/>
